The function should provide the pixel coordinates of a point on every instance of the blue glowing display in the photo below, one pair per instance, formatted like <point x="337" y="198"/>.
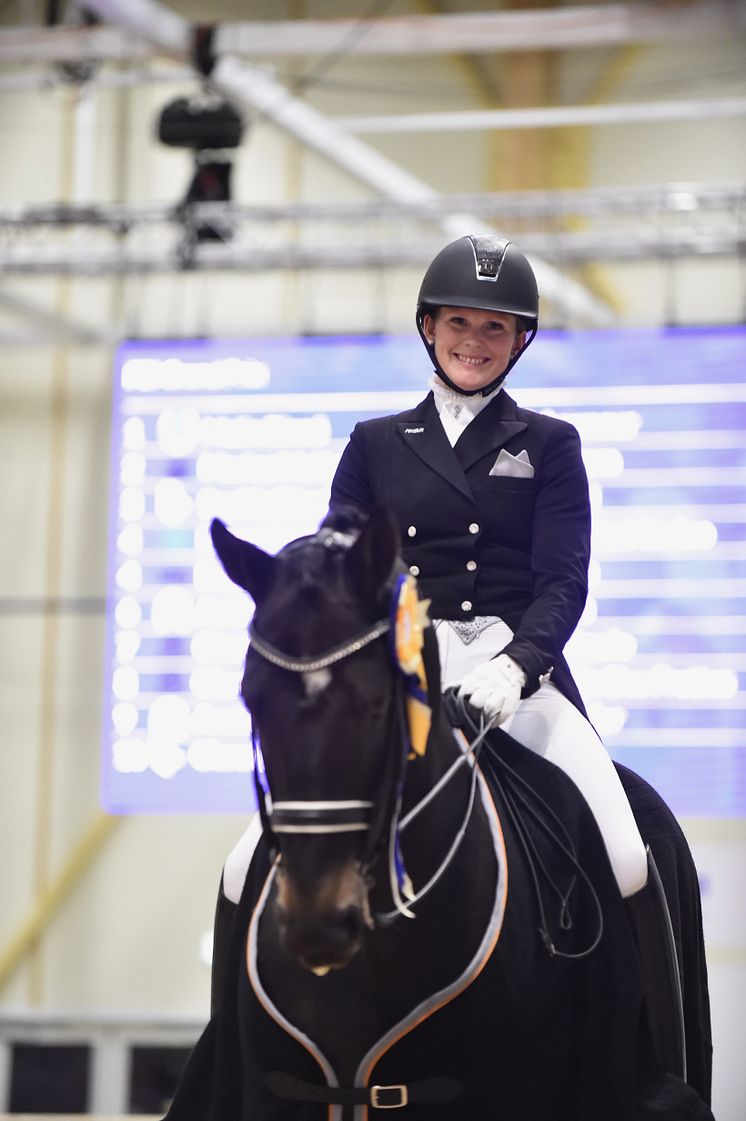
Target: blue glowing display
<point x="251" y="430"/>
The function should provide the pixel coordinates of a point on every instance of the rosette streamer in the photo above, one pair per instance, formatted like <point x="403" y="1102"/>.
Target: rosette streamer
<point x="408" y="622"/>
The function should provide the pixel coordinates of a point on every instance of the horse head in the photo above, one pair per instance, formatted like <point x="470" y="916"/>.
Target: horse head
<point x="321" y="687"/>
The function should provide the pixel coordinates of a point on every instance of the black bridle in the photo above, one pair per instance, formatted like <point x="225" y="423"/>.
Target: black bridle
<point x="312" y="816"/>
<point x="378" y="819"/>
<point x="381" y="820"/>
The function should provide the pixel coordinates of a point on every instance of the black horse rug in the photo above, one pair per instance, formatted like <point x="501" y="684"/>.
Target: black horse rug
<point x="591" y="1061"/>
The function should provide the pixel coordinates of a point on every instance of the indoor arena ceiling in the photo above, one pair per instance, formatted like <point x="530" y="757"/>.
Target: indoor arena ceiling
<point x="292" y="66"/>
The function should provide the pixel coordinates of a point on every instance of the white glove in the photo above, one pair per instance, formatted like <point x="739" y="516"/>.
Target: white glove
<point x="494" y="687"/>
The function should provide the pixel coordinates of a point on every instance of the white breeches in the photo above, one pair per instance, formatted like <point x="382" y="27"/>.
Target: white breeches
<point x="550" y="725"/>
<point x="236" y="866"/>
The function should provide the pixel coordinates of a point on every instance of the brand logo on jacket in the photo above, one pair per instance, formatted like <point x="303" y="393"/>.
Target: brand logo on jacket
<point x="413" y="431"/>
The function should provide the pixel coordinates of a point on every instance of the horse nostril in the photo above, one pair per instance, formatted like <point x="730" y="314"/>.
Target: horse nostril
<point x="350" y="922"/>
<point x="329" y="940"/>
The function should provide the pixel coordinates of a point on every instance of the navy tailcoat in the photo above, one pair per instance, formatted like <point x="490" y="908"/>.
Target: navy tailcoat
<point x="486" y="532"/>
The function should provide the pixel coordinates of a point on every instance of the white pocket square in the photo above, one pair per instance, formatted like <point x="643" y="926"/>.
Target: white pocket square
<point x="514" y="466"/>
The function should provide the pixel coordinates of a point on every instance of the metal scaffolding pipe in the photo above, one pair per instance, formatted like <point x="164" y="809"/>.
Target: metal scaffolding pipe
<point x="649" y="200"/>
<point x="570" y="247"/>
<point x="561" y="116"/>
<point x="154" y="23"/>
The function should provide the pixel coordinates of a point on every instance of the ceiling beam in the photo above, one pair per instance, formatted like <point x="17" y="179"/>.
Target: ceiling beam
<point x="453" y="33"/>
<point x="487" y="32"/>
<point x="71" y="44"/>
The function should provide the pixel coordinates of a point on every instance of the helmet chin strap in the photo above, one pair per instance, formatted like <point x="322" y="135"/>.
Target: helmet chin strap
<point x="485" y="390"/>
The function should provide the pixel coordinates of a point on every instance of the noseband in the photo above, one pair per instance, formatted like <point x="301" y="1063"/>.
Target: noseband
<point x="318" y="661"/>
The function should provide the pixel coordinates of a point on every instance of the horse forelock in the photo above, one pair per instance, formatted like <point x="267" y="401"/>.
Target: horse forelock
<point x="312" y="603"/>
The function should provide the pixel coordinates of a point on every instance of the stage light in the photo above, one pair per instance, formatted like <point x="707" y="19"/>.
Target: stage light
<point x="210" y="127"/>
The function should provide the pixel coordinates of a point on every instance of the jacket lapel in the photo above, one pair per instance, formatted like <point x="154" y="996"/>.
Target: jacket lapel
<point x="492" y="428"/>
<point x="424" y="434"/>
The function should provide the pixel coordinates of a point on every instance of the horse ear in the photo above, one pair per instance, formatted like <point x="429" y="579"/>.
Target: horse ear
<point x="371" y="558"/>
<point x="245" y="564"/>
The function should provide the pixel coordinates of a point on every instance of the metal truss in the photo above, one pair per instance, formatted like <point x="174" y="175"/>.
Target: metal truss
<point x="564" y="227"/>
<point x="401" y="236"/>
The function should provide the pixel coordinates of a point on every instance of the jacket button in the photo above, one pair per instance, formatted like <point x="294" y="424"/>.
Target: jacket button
<point x="471" y="566"/>
<point x="412" y="531"/>
<point x="466" y="605"/>
<point x="474" y="527"/>
<point x="414" y="569"/>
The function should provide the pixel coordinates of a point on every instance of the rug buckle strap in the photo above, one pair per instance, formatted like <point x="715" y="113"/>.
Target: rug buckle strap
<point x="380" y="1096"/>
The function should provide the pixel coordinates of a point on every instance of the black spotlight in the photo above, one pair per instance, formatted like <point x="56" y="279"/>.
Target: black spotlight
<point x="209" y="127"/>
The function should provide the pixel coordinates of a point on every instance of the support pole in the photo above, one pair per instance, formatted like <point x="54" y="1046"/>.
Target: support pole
<point x="49" y="901"/>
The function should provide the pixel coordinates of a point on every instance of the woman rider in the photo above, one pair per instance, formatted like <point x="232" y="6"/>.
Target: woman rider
<point x="493" y="509"/>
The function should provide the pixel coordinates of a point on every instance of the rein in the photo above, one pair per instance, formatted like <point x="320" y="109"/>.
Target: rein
<point x="413" y="899"/>
<point x="521" y="803"/>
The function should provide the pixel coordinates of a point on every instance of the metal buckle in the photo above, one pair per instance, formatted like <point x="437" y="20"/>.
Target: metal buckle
<point x="375" y="1097"/>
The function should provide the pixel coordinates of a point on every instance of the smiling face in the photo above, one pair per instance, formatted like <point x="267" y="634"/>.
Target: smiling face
<point x="473" y="346"/>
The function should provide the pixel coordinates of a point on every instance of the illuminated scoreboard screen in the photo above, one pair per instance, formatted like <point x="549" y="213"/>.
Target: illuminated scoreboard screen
<point x="250" y="431"/>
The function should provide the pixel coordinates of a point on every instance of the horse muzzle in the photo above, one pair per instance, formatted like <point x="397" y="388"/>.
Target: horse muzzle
<point x="323" y="925"/>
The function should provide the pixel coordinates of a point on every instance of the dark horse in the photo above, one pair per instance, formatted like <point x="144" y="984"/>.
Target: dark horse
<point x="420" y="930"/>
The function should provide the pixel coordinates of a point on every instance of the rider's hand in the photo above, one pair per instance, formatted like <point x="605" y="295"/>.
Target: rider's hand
<point x="494" y="687"/>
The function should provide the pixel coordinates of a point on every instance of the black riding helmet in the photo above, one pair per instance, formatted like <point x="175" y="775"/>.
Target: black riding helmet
<point x="482" y="272"/>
